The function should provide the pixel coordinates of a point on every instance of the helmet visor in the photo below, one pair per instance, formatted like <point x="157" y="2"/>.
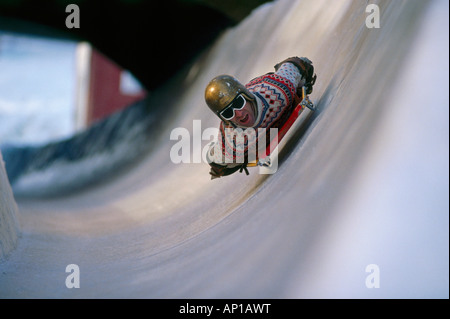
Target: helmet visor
<point x="237" y="104"/>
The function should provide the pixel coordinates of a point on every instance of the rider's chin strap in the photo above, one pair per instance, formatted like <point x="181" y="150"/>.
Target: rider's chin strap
<point x="244" y="167"/>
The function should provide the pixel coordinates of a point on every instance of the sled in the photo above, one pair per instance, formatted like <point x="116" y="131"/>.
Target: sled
<point x="299" y="117"/>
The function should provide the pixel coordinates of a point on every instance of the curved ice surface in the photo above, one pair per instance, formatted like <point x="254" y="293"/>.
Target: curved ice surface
<point x="367" y="184"/>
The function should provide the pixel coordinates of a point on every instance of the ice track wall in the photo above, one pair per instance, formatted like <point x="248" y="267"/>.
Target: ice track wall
<point x="366" y="184"/>
<point x="9" y="226"/>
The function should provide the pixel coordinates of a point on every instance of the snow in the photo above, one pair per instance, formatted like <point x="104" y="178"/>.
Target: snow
<point x="367" y="184"/>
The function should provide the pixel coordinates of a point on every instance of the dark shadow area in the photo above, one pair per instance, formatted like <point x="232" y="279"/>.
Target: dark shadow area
<point x="151" y="39"/>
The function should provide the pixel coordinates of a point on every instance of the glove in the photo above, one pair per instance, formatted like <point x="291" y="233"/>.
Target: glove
<point x="221" y="170"/>
<point x="294" y="60"/>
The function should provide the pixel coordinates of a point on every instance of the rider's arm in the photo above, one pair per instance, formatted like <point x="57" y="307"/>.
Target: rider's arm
<point x="290" y="71"/>
<point x="306" y="69"/>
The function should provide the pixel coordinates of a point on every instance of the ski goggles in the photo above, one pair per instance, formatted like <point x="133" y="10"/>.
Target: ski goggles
<point x="237" y="104"/>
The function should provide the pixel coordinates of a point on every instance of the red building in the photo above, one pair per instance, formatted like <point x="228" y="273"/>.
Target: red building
<point x="103" y="87"/>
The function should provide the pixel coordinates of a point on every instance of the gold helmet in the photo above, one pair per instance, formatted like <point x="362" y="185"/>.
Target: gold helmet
<point x="222" y="90"/>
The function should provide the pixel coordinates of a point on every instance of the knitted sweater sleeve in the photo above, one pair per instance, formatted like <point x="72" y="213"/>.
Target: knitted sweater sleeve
<point x="290" y="72"/>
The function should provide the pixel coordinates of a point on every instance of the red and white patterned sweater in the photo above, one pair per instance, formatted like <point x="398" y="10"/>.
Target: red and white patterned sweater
<point x="274" y="94"/>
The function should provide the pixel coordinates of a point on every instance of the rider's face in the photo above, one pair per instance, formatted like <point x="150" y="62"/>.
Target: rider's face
<point x="245" y="117"/>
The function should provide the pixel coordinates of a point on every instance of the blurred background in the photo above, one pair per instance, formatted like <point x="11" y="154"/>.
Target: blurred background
<point x="57" y="81"/>
<point x="44" y="63"/>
